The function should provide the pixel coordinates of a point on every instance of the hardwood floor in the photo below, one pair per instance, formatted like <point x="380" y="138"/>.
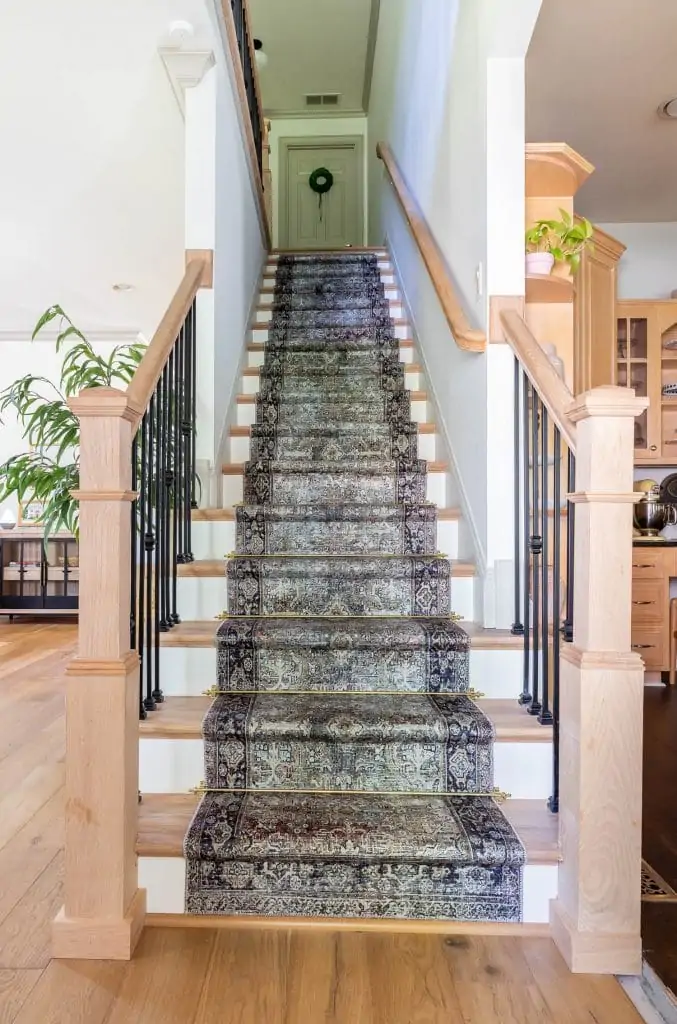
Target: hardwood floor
<point x="659" y="830"/>
<point x="196" y="976"/>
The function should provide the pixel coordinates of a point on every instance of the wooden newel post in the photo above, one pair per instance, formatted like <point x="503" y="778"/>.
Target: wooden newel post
<point x="595" y="919"/>
<point x="104" y="909"/>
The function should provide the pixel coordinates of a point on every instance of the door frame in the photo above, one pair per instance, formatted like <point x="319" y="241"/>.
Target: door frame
<point x="291" y="142"/>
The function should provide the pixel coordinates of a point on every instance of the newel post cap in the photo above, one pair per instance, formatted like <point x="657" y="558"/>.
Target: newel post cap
<point x="607" y="400"/>
<point x="104" y="402"/>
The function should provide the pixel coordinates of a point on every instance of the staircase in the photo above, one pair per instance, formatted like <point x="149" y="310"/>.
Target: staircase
<point x="347" y="765"/>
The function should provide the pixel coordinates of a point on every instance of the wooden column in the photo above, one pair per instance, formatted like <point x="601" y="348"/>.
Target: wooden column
<point x="595" y="919"/>
<point x="104" y="909"/>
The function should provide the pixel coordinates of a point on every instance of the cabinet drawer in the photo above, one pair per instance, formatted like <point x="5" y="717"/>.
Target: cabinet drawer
<point x="648" y="564"/>
<point x="649" y="601"/>
<point x="652" y="647"/>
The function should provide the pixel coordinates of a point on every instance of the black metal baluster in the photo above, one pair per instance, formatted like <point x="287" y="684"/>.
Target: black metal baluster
<point x="166" y="477"/>
<point x="536" y="544"/>
<point x="187" y="432"/>
<point x="545" y="715"/>
<point x="193" y="411"/>
<point x="571" y="487"/>
<point x="149" y="543"/>
<point x="553" y="801"/>
<point x="179" y="397"/>
<point x="141" y="555"/>
<point x="517" y="626"/>
<point x="172" y="434"/>
<point x="133" y="547"/>
<point x="159" y="494"/>
<point x="525" y="696"/>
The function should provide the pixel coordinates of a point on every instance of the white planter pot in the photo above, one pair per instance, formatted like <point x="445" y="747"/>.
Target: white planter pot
<point x="540" y="262"/>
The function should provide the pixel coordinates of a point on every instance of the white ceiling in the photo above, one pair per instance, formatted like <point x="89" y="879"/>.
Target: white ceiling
<point x="596" y="72"/>
<point x="313" y="46"/>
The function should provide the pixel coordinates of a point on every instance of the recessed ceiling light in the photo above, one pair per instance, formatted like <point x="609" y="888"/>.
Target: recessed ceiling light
<point x="668" y="109"/>
<point x="122" y="286"/>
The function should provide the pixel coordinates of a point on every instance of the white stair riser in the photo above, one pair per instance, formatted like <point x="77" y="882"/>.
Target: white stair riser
<point x="205" y="597"/>
<point x="264" y="316"/>
<point x="260" y="331"/>
<point x="524" y="770"/>
<point x="257" y="357"/>
<point x="252" y="385"/>
<point x="164" y="879"/>
<point x="212" y="539"/>
<point x="436" y="489"/>
<point x="246" y="413"/>
<point x="216" y="539"/>
<point x="391" y="293"/>
<point x="240" y="449"/>
<point x="189" y="671"/>
<point x="387" y="277"/>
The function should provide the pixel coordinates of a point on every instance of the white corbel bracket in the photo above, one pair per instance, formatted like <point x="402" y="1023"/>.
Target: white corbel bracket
<point x="185" y="69"/>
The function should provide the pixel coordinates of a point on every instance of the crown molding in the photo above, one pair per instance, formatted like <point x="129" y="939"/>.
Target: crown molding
<point x="95" y="335"/>
<point x="315" y="114"/>
<point x="185" y="69"/>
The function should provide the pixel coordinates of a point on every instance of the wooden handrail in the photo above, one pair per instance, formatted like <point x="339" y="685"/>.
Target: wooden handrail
<point x="254" y="170"/>
<point x="467" y="337"/>
<point x="252" y="57"/>
<point x="551" y="389"/>
<point x="142" y="384"/>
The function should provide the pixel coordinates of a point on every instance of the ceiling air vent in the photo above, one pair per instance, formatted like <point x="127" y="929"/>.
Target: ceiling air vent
<point x="329" y="99"/>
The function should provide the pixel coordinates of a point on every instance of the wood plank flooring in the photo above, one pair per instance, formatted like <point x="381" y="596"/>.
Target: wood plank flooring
<point x="206" y="976"/>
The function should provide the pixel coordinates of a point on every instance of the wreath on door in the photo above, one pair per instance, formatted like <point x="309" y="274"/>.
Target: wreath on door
<point x="321" y="181"/>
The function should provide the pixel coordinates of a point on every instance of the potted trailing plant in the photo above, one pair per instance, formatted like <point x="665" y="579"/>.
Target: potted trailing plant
<point x="557" y="241"/>
<point x="49" y="472"/>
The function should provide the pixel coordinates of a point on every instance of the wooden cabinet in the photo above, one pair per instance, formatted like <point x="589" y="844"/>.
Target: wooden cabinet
<point x="36" y="578"/>
<point x="647" y="361"/>
<point x="595" y="313"/>
<point x="652" y="568"/>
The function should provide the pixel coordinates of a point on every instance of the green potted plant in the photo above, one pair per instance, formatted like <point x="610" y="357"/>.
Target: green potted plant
<point x="49" y="472"/>
<point x="557" y="241"/>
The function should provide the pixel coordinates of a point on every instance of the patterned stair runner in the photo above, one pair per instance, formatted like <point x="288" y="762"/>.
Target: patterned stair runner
<point x="347" y="768"/>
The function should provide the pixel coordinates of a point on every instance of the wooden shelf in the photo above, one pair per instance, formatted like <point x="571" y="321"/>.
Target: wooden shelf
<point x="549" y="288"/>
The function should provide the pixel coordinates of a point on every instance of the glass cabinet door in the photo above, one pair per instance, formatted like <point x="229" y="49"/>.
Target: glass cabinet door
<point x="632" y="370"/>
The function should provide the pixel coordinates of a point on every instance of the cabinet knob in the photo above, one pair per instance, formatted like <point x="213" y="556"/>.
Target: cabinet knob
<point x="653" y="448"/>
<point x="642" y="647"/>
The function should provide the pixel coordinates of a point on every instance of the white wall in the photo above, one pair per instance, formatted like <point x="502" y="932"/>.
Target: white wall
<point x="648" y="268"/>
<point x="448" y="96"/>
<point x="317" y="127"/>
<point x="91" y="174"/>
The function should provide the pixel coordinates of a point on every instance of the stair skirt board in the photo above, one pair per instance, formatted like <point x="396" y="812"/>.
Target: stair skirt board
<point x="332" y="804"/>
<point x="524" y="770"/>
<point x="164" y="879"/>
<point x="189" y="671"/>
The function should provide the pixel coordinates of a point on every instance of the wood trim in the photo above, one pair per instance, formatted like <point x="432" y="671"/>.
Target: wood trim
<point x="255" y="67"/>
<point x="466" y="337"/>
<point x="246" y="121"/>
<point x="348" y="924"/>
<point x="554" y="169"/>
<point x="540" y="371"/>
<point x="142" y="385"/>
<point x="207" y="258"/>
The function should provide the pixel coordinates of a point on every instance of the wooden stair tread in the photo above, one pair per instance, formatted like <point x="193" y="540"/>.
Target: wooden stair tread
<point x="395" y="321"/>
<point x="414" y="396"/>
<point x="181" y="718"/>
<point x="342" y="251"/>
<point x="164" y="819"/>
<point x="202" y="633"/>
<point x="210" y="567"/>
<point x="227" y="515"/>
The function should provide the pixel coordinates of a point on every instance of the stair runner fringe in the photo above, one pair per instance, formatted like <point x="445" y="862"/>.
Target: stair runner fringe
<point x="342" y="728"/>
